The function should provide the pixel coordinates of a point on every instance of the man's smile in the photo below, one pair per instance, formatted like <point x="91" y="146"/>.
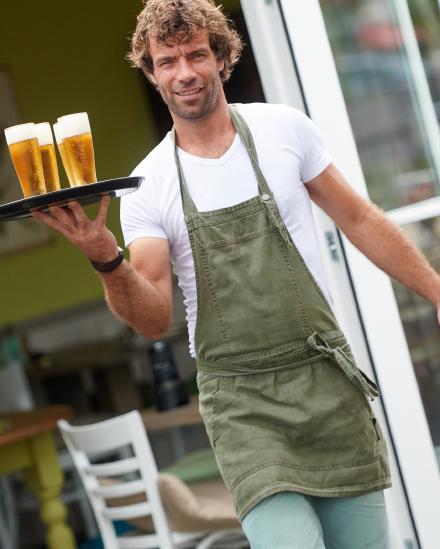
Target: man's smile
<point x="193" y="91"/>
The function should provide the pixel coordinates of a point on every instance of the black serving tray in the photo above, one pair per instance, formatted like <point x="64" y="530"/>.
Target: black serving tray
<point x="86" y="194"/>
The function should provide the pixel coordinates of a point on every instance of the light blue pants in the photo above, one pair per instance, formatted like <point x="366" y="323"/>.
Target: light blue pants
<point x="289" y="520"/>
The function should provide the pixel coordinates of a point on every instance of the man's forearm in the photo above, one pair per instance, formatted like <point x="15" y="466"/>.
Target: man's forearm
<point x="136" y="301"/>
<point x="390" y="249"/>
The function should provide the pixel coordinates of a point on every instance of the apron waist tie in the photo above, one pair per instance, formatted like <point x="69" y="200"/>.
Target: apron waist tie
<point x="345" y="363"/>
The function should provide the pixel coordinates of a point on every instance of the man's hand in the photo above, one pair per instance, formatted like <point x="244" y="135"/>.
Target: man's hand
<point x="140" y="295"/>
<point x="91" y="236"/>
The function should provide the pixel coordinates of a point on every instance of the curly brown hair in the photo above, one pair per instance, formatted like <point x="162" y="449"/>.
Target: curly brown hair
<point x="168" y="20"/>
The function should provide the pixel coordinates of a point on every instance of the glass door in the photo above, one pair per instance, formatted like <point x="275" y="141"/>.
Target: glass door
<point x="368" y="73"/>
<point x="387" y="55"/>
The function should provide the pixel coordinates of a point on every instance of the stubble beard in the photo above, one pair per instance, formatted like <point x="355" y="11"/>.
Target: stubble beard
<point x="203" y="110"/>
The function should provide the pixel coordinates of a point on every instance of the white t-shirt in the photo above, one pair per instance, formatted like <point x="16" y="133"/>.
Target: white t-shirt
<point x="291" y="152"/>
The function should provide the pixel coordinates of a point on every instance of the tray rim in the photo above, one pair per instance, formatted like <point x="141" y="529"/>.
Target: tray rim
<point x="19" y="208"/>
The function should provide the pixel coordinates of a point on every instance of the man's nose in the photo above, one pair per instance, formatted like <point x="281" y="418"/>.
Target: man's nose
<point x="185" y="72"/>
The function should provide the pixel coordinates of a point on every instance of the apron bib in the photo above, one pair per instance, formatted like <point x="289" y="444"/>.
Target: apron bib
<point x="284" y="404"/>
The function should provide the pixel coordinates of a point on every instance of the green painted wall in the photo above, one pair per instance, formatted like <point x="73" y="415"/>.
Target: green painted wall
<point x="69" y="57"/>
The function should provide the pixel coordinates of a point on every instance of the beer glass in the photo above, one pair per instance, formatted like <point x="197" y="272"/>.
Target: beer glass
<point x="65" y="160"/>
<point x="26" y="157"/>
<point x="78" y="147"/>
<point x="48" y="156"/>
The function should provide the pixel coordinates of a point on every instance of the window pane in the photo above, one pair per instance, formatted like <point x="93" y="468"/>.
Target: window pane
<point x="426" y="18"/>
<point x="419" y="319"/>
<point x="381" y="103"/>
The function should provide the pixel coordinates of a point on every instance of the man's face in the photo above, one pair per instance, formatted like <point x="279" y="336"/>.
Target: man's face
<point x="187" y="76"/>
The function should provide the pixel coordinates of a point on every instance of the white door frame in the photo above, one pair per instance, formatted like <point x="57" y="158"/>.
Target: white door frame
<point x="295" y="27"/>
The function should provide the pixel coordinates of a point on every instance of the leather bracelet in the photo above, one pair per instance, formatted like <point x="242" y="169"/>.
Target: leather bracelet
<point x="109" y="266"/>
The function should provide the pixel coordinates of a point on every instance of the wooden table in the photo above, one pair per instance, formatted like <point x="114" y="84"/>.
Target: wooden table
<point x="188" y="414"/>
<point x="27" y="444"/>
<point x="173" y="420"/>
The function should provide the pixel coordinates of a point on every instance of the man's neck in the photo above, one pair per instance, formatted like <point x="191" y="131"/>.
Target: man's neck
<point x="210" y="137"/>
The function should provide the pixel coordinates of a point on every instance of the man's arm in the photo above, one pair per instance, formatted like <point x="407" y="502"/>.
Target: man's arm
<point x="366" y="226"/>
<point x="139" y="292"/>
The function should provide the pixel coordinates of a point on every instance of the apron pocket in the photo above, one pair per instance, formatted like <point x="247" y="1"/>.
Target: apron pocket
<point x="245" y="301"/>
<point x="239" y="230"/>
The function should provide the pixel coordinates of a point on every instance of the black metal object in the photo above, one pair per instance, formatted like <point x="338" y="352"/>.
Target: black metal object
<point x="169" y="389"/>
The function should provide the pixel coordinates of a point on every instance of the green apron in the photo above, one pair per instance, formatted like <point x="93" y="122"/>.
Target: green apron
<point x="285" y="407"/>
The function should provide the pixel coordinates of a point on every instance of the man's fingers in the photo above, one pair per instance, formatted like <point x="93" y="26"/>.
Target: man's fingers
<point x="78" y="213"/>
<point x="50" y="221"/>
<point x="63" y="215"/>
<point x="73" y="223"/>
<point x="45" y="217"/>
<point x="103" y="209"/>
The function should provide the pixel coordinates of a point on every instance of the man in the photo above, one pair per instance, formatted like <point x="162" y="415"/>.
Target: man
<point x="227" y="200"/>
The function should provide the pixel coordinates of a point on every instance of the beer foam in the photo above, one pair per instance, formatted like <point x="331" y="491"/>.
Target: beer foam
<point x="15" y="134"/>
<point x="44" y="134"/>
<point x="74" y="124"/>
<point x="57" y="132"/>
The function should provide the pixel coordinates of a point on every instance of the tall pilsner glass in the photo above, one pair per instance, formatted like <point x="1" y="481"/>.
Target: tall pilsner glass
<point x="48" y="156"/>
<point x="65" y="160"/>
<point x="26" y="157"/>
<point x="78" y="147"/>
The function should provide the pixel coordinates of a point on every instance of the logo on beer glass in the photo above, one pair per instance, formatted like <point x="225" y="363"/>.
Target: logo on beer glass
<point x="25" y="153"/>
<point x="76" y="148"/>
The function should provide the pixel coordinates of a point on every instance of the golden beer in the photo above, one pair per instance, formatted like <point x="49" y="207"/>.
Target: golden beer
<point x="74" y="129"/>
<point x="66" y="164"/>
<point x="65" y="161"/>
<point x="50" y="167"/>
<point x="25" y="153"/>
<point x="48" y="156"/>
<point x="79" y="152"/>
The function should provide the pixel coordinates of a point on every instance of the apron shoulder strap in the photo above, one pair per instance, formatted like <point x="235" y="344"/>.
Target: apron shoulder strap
<point x="189" y="208"/>
<point x="248" y="141"/>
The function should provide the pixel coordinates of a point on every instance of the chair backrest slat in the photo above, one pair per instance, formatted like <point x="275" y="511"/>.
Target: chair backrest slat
<point x="139" y="542"/>
<point x="128" y="511"/>
<point x="104" y="436"/>
<point x="120" y="490"/>
<point x="111" y="435"/>
<point x="120" y="467"/>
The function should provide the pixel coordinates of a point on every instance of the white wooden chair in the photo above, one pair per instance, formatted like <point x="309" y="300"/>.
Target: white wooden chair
<point x="136" y="474"/>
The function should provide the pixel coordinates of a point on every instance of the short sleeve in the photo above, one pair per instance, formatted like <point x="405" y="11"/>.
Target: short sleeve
<point x="315" y="156"/>
<point x="140" y="213"/>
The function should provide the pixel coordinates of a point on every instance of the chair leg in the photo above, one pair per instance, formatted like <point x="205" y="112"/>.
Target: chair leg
<point x="209" y="540"/>
<point x="8" y="518"/>
<point x="88" y="518"/>
<point x="5" y="538"/>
